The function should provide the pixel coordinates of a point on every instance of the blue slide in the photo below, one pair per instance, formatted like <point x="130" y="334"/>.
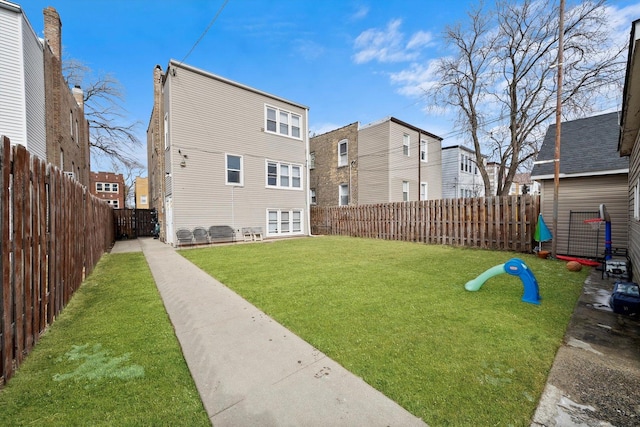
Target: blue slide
<point x="515" y="267"/>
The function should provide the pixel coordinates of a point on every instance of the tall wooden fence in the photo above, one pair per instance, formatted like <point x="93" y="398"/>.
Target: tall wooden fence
<point x="53" y="234"/>
<point x="505" y="223"/>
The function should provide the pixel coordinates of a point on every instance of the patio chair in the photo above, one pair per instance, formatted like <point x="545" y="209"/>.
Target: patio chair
<point x="257" y="233"/>
<point x="200" y="235"/>
<point x="185" y="236"/>
<point x="246" y="234"/>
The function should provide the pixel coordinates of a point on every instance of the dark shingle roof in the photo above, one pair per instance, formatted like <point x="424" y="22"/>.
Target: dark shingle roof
<point x="588" y="145"/>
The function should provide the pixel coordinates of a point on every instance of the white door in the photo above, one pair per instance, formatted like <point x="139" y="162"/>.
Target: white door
<point x="168" y="219"/>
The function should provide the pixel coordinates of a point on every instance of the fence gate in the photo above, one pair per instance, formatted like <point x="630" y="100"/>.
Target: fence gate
<point x="132" y="223"/>
<point x="584" y="239"/>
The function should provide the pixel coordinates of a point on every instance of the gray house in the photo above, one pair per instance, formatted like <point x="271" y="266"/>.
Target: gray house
<point x="222" y="154"/>
<point x="629" y="140"/>
<point x="591" y="173"/>
<point x="385" y="161"/>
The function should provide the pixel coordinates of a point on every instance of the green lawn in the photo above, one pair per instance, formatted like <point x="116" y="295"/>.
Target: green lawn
<point x="111" y="358"/>
<point x="397" y="314"/>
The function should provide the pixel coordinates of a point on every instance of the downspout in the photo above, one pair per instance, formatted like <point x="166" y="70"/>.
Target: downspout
<point x="306" y="150"/>
<point x="420" y="163"/>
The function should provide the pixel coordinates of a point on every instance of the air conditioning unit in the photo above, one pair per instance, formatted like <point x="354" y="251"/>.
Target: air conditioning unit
<point x="70" y="174"/>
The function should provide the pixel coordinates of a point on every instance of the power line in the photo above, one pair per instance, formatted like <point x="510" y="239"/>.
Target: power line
<point x="205" y="31"/>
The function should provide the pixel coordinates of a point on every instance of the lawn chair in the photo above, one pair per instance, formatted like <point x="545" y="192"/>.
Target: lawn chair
<point x="200" y="235"/>
<point x="185" y="236"/>
<point x="257" y="233"/>
<point x="246" y="234"/>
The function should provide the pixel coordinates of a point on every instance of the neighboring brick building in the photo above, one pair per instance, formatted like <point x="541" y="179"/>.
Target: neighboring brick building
<point x="108" y="186"/>
<point x="67" y="129"/>
<point x="324" y="176"/>
<point x="38" y="110"/>
<point x="142" y="193"/>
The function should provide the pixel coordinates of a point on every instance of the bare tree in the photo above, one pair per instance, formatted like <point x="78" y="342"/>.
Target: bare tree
<point x="500" y="76"/>
<point x="130" y="171"/>
<point x="111" y="133"/>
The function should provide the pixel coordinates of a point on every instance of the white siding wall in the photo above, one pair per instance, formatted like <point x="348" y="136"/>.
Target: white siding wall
<point x="12" y="109"/>
<point x="450" y="168"/>
<point x="209" y="118"/>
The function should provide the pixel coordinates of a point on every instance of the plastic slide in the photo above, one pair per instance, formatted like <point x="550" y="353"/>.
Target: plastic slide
<point x="514" y="267"/>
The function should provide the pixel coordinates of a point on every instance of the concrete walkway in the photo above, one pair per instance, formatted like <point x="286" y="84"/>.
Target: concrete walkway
<point x="249" y="369"/>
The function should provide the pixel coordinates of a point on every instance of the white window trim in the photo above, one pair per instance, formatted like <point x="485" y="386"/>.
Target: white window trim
<point x="104" y="185"/>
<point x="279" y="220"/>
<point x="340" y="187"/>
<point x="278" y="183"/>
<point x="425" y="195"/>
<point x="346" y="157"/>
<point x="226" y="170"/>
<point x="290" y="116"/>
<point x="636" y="200"/>
<point x="406" y="144"/>
<point x="166" y="131"/>
<point x="423" y="149"/>
<point x="405" y="190"/>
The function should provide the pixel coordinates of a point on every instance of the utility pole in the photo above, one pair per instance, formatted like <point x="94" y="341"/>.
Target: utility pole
<point x="556" y="174"/>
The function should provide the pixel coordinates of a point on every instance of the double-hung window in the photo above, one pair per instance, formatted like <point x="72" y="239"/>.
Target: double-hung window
<point x="423" y="150"/>
<point x="344" y="195"/>
<point x="343" y="149"/>
<point x="636" y="201"/>
<point x="284" y="175"/>
<point x="423" y="191"/>
<point x="406" y="142"/>
<point x="282" y="122"/>
<point x="284" y="221"/>
<point x="405" y="191"/>
<point x="233" y="169"/>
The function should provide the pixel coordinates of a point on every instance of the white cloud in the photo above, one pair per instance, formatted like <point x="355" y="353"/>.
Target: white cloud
<point x="387" y="45"/>
<point x="420" y="39"/>
<point x="362" y="12"/>
<point x="309" y="50"/>
<point x="415" y="80"/>
<point x="324" y="128"/>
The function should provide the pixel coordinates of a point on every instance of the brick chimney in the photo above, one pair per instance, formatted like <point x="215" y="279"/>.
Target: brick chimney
<point x="78" y="94"/>
<point x="53" y="31"/>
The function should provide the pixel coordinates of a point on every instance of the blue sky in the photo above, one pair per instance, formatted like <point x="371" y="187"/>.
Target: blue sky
<point x="347" y="60"/>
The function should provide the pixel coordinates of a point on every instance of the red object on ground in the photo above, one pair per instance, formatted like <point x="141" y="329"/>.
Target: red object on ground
<point x="582" y="261"/>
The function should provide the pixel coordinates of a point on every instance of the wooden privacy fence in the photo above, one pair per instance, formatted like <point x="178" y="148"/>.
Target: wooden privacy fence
<point x="53" y="234"/>
<point x="505" y="223"/>
<point x="132" y="223"/>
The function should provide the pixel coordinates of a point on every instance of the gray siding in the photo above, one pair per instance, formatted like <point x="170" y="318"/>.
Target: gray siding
<point x="634" y="224"/>
<point x="209" y="118"/>
<point x="383" y="166"/>
<point x="373" y="164"/>
<point x="34" y="91"/>
<point x="586" y="194"/>
<point x="432" y="169"/>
